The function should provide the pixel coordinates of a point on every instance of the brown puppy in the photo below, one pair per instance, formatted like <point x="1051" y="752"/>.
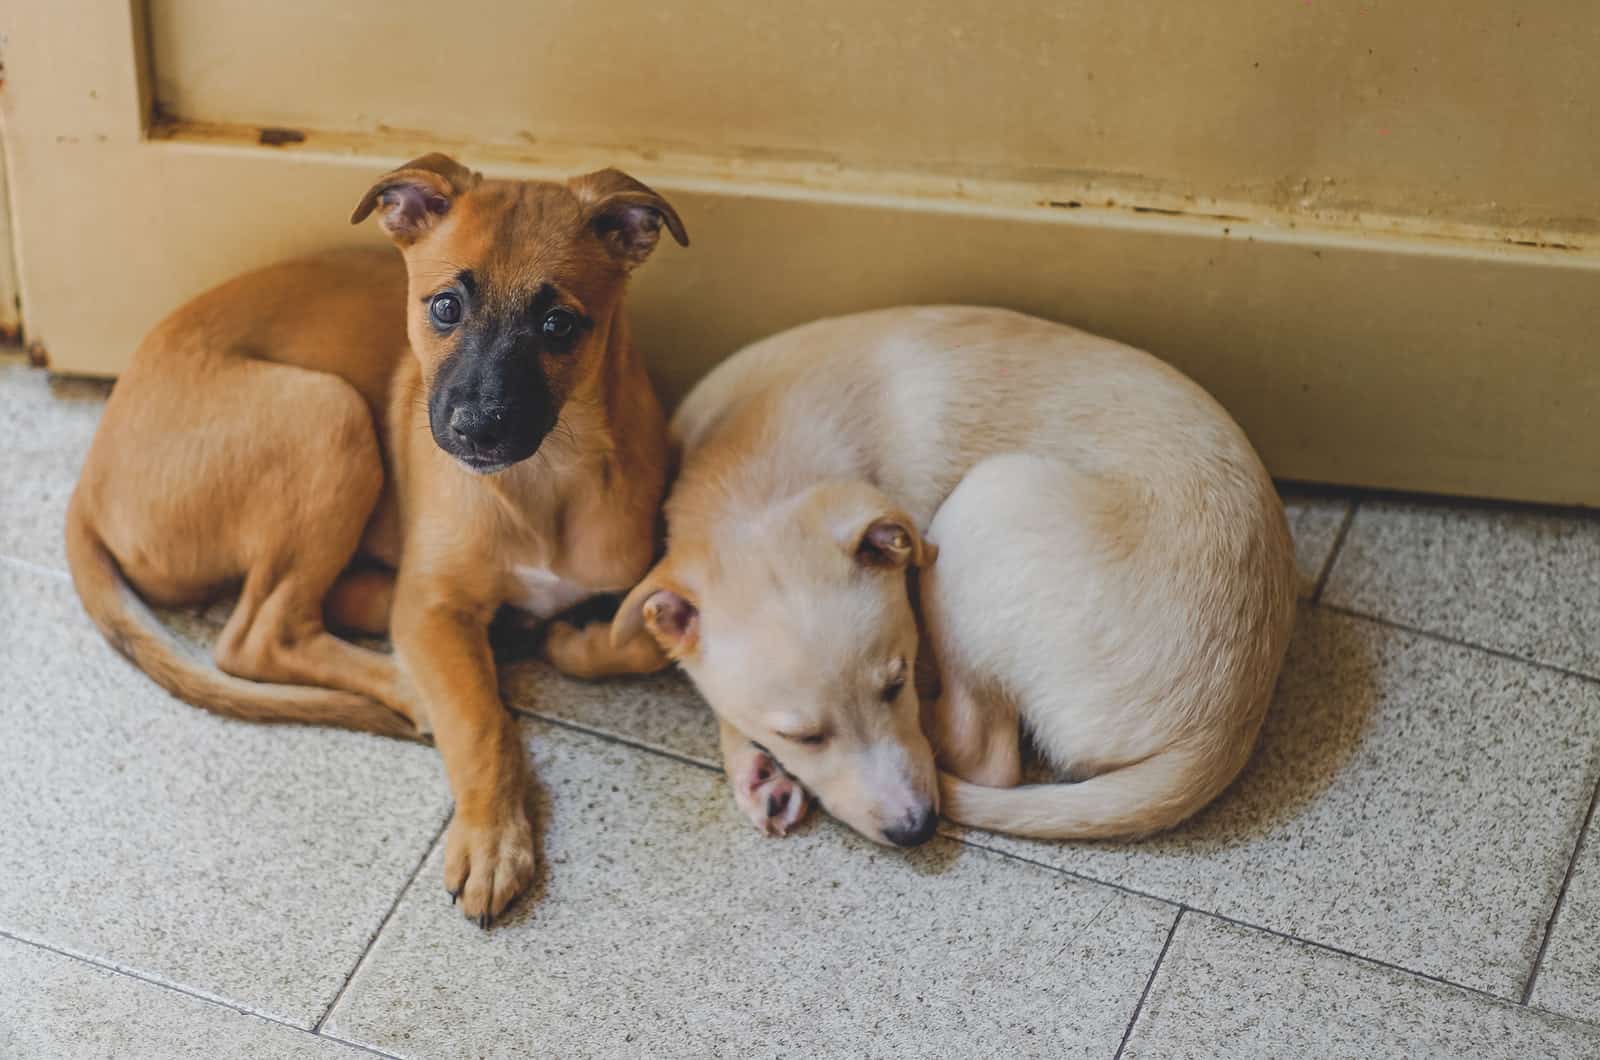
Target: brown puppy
<point x="466" y="423"/>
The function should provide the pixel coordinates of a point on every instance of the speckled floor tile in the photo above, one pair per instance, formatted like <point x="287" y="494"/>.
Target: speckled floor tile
<point x="243" y="861"/>
<point x="667" y="927"/>
<point x="1520" y="581"/>
<point x="1228" y="991"/>
<point x="1411" y="801"/>
<point x="56" y="1008"/>
<point x="1314" y="519"/>
<point x="1569" y="978"/>
<point x="45" y="429"/>
<point x="662" y="711"/>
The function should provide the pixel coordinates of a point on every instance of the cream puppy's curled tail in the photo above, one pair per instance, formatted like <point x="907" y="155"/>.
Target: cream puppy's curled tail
<point x="1126" y="803"/>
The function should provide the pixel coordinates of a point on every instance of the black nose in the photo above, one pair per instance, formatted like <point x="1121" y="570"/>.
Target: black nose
<point x="917" y="828"/>
<point x="470" y="426"/>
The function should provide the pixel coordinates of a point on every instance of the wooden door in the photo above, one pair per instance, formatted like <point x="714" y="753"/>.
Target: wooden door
<point x="1370" y="230"/>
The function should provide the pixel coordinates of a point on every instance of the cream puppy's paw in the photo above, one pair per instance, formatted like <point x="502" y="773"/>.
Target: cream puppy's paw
<point x="772" y="799"/>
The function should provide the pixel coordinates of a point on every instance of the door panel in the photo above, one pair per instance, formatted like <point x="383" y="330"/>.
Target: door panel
<point x="1442" y="107"/>
<point x="1417" y="353"/>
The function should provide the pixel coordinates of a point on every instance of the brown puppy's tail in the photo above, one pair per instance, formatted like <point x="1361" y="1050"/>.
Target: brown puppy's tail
<point x="1134" y="800"/>
<point x="133" y="629"/>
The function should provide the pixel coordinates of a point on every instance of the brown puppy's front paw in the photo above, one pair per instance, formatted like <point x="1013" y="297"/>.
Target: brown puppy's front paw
<point x="771" y="798"/>
<point x="486" y="867"/>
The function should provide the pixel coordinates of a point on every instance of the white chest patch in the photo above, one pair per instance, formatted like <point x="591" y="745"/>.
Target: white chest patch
<point x="542" y="593"/>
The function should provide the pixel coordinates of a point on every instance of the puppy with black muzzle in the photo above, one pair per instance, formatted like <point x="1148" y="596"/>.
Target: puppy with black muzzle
<point x="1096" y="553"/>
<point x="395" y="443"/>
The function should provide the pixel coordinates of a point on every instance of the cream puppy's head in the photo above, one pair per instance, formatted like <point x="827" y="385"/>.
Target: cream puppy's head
<point x="796" y="625"/>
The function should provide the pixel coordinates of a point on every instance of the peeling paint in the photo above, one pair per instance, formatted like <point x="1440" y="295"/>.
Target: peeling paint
<point x="1543" y="245"/>
<point x="272" y="136"/>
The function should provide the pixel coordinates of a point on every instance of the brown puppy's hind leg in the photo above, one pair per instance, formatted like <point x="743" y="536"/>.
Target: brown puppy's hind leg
<point x="305" y="527"/>
<point x="360" y="601"/>
<point x="276" y="634"/>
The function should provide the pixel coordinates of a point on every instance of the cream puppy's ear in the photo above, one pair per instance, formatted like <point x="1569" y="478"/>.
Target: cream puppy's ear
<point x="870" y="528"/>
<point x="890" y="540"/>
<point x="663" y="606"/>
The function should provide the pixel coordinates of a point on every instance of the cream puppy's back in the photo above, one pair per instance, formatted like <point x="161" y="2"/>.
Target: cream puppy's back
<point x="912" y="398"/>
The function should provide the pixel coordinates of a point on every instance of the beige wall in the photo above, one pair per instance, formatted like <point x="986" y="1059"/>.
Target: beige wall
<point x="1377" y="248"/>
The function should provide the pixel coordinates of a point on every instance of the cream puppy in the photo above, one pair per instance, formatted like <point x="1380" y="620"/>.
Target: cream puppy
<point x="1114" y="575"/>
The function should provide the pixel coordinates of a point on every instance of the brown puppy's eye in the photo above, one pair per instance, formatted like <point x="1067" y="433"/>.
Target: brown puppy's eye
<point x="445" y="310"/>
<point x="558" y="326"/>
<point x="810" y="739"/>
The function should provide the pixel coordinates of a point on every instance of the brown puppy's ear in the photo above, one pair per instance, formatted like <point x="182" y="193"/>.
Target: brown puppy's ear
<point x="626" y="215"/>
<point x="414" y="197"/>
<point x="889" y="541"/>
<point x="661" y="605"/>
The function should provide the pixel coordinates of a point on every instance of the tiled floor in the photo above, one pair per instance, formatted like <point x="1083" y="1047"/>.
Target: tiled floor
<point x="1402" y="871"/>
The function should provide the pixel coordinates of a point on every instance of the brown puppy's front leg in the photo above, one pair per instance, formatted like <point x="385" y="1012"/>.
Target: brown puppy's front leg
<point x="489" y="846"/>
<point x="772" y="799"/>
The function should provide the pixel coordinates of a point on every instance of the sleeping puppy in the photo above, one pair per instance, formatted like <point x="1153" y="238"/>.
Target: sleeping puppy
<point x="1114" y="573"/>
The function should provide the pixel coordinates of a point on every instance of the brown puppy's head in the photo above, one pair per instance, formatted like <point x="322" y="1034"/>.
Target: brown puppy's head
<point x="513" y="285"/>
<point x="798" y="630"/>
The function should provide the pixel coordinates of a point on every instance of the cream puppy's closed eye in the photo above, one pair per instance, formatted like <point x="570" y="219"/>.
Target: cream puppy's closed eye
<point x="797" y="730"/>
<point x="792" y="728"/>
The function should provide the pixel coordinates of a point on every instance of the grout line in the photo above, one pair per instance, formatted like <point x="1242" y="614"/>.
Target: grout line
<point x="35" y="568"/>
<point x="219" y="1002"/>
<point x="1080" y="877"/>
<point x="1148" y="983"/>
<point x="1488" y="995"/>
<point x="1333" y="553"/>
<point x="347" y="1043"/>
<point x="372" y="939"/>
<point x="1561" y="896"/>
<point x="1478" y="992"/>
<point x="1457" y="642"/>
<point x="617" y="738"/>
<point x="1327" y="947"/>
